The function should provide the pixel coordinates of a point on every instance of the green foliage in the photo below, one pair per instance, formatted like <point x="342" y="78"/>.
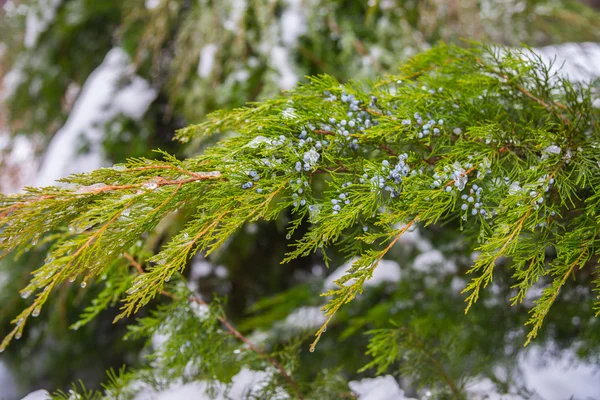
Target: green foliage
<point x="362" y="165"/>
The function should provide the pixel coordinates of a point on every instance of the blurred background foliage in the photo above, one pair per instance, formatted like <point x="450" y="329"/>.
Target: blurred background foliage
<point x="202" y="55"/>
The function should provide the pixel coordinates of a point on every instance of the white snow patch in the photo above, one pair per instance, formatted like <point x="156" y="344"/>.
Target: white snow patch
<point x="245" y="384"/>
<point x="427" y="261"/>
<point x="207" y="60"/>
<point x="548" y="374"/>
<point x="38" y="395"/>
<point x="7" y="384"/>
<point x="311" y="157"/>
<point x="202" y="311"/>
<point x="102" y="99"/>
<point x="248" y="383"/>
<point x="236" y="13"/>
<point x="37" y="20"/>
<point x="200" y="268"/>
<point x="485" y="389"/>
<point x="305" y="318"/>
<point x="412" y="237"/>
<point x="237" y="76"/>
<point x="281" y="62"/>
<point x="380" y="388"/>
<point x="386" y="271"/>
<point x="293" y="23"/>
<point x="560" y="377"/>
<point x="221" y="272"/>
<point x="19" y="164"/>
<point x="258" y="141"/>
<point x="457" y="284"/>
<point x="552" y="149"/>
<point x="578" y="62"/>
<point x="152" y="4"/>
<point x="515" y="188"/>
<point x="11" y="81"/>
<point x="192" y="390"/>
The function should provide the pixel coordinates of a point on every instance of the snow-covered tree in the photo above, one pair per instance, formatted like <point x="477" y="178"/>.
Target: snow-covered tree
<point x="478" y="160"/>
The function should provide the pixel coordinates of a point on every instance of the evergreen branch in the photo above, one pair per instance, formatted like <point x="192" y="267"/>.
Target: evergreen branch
<point x="338" y="157"/>
<point x="486" y="276"/>
<point x="390" y="345"/>
<point x="361" y="271"/>
<point x="549" y="295"/>
<point x="230" y="328"/>
<point x="527" y="93"/>
<point x="35" y="308"/>
<point x="254" y="348"/>
<point x="419" y="345"/>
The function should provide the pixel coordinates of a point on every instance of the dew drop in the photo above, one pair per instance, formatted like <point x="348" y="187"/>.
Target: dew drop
<point x="72" y="279"/>
<point x="25" y="294"/>
<point x="18" y="335"/>
<point x="36" y="312"/>
<point x="149" y="186"/>
<point x="83" y="284"/>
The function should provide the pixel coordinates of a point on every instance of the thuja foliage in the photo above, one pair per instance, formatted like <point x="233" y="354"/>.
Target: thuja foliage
<point x="484" y="139"/>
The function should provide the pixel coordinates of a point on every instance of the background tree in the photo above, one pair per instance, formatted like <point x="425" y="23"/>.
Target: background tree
<point x="238" y="53"/>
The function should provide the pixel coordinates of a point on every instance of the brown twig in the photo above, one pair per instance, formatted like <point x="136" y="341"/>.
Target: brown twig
<point x="229" y="328"/>
<point x="349" y="294"/>
<point x="382" y="146"/>
<point x="434" y="361"/>
<point x="254" y="348"/>
<point x="158" y="181"/>
<point x="547" y="106"/>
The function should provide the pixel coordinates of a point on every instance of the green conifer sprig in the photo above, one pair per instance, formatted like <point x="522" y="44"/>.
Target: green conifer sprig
<point x="484" y="138"/>
<point x="387" y="346"/>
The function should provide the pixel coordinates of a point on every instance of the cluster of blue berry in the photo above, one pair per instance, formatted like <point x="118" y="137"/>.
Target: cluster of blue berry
<point x="355" y="123"/>
<point x="456" y="173"/>
<point x="458" y="176"/>
<point x="278" y="142"/>
<point x="341" y="199"/>
<point x="298" y="186"/>
<point x="391" y="177"/>
<point x="426" y="128"/>
<point x="473" y="201"/>
<point x="432" y="91"/>
<point x="254" y="176"/>
<point x="304" y="140"/>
